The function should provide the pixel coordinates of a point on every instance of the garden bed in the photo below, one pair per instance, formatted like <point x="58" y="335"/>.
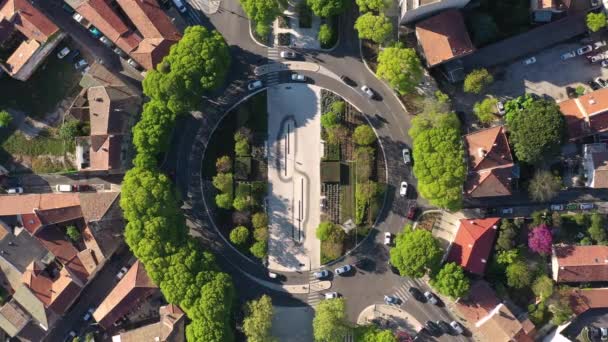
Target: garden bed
<point x="370" y="51"/>
<point x="427" y="221"/>
<point x="333" y="23"/>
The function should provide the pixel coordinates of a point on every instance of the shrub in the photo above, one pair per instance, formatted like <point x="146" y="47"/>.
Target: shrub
<point x="70" y="130"/>
<point x="223" y="182"/>
<point x="239" y="236"/>
<point x="364" y="194"/>
<point x="5" y="118"/>
<point x="242" y="203"/>
<point x="485" y="110"/>
<point x="330" y="120"/>
<point x="242" y="148"/>
<point x="223" y="164"/>
<point x="325" y="35"/>
<point x="337" y="134"/>
<point x="224" y="201"/>
<point x="259" y="249"/>
<point x="364" y="135"/>
<point x="260" y="234"/>
<point x="477" y="81"/>
<point x="73" y="233"/>
<point x="338" y="107"/>
<point x="596" y="21"/>
<point x="327" y="231"/>
<point x="364" y="162"/>
<point x="259" y="220"/>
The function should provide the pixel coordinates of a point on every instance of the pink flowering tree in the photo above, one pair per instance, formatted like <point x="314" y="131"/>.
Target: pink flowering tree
<point x="540" y="239"/>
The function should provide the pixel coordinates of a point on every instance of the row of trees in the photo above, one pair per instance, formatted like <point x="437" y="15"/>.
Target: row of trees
<point x="400" y="67"/>
<point x="373" y="24"/>
<point x="156" y="231"/>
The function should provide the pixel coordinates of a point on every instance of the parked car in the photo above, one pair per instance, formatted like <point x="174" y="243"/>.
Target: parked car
<point x="134" y="64"/>
<point x="348" y="81"/>
<point x="599" y="44"/>
<point x="73" y="56"/>
<point x="13" y="191"/>
<point x="331" y="295"/>
<point x="387" y="238"/>
<point x="457" y="327"/>
<point x="343" y="269"/>
<point x="298" y="77"/>
<point x="572" y="206"/>
<point x="594" y="85"/>
<point x="321" y="274"/>
<point x="530" y="60"/>
<point x="557" y="207"/>
<point x="407" y="157"/>
<point x="433" y="328"/>
<point x="597" y="58"/>
<point x="63" y="52"/>
<point x="417" y="294"/>
<point x="507" y="211"/>
<point x="288" y="54"/>
<point x="604" y="64"/>
<point x="106" y="41"/>
<point x="430" y="297"/>
<point x="122" y="272"/>
<point x="583" y="50"/>
<point x="70" y="336"/>
<point x="500" y="107"/>
<point x="81" y="64"/>
<point x="601" y="82"/>
<point x="94" y="31"/>
<point x="411" y="213"/>
<point x="64" y="188"/>
<point x="77" y="17"/>
<point x="119" y="52"/>
<point x="253" y="85"/>
<point x="403" y="189"/>
<point x="367" y="91"/>
<point x="180" y="6"/>
<point x="391" y="300"/>
<point x="88" y="314"/>
<point x="587" y="206"/>
<point x="604" y="334"/>
<point x="67" y="8"/>
<point x="445" y="327"/>
<point x="568" y="55"/>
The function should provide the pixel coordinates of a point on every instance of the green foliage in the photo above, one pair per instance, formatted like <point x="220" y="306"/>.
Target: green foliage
<point x="518" y="275"/>
<point x="439" y="156"/>
<point x="364" y="163"/>
<point x="258" y="320"/>
<point x="260" y="234"/>
<point x="477" y="81"/>
<point x="596" y="21"/>
<point x="442" y="97"/>
<point x="451" y="281"/>
<point x="597" y="231"/>
<point x="241" y="144"/>
<point x="224" y="200"/>
<point x="73" y="233"/>
<point x="223" y="182"/>
<point x="544" y="186"/>
<point x="337" y="134"/>
<point x="70" y="130"/>
<point x="327" y="8"/>
<point x="262" y="13"/>
<point x="537" y="131"/>
<point x="223" y="164"/>
<point x="329" y="324"/>
<point x="561" y="310"/>
<point x="485" y="110"/>
<point x="326" y="35"/>
<point x="377" y="28"/>
<point x="330" y="120"/>
<point x="328" y="231"/>
<point x="506" y="235"/>
<point x="415" y="253"/>
<point x="507" y="257"/>
<point x="364" y="194"/>
<point x="5" y="118"/>
<point x="515" y="106"/>
<point x="242" y="203"/>
<point x="259" y="249"/>
<point x="338" y="107"/>
<point x="259" y="220"/>
<point x="239" y="236"/>
<point x="400" y="67"/>
<point x="543" y="287"/>
<point x="581" y="219"/>
<point x="537" y="313"/>
<point x="580" y="90"/>
<point x="372" y="5"/>
<point x="364" y="135"/>
<point x="556" y="220"/>
<point x="371" y="333"/>
<point x="483" y="29"/>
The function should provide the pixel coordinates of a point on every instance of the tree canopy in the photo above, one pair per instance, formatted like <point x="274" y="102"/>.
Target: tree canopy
<point x="371" y="333"/>
<point x="325" y="35"/>
<point x="377" y="28"/>
<point x="506" y="235"/>
<point x="5" y="118"/>
<point x="537" y="131"/>
<point x="415" y="253"/>
<point x="477" y="81"/>
<point x="329" y="324"/>
<point x="400" y="67"/>
<point x="326" y="8"/>
<point x="518" y="275"/>
<point x="544" y="186"/>
<point x="597" y="230"/>
<point x="262" y="13"/>
<point x="596" y="21"/>
<point x="258" y="320"/>
<point x="364" y="135"/>
<point x="486" y="110"/>
<point x="540" y="240"/>
<point x="451" y="281"/>
<point x="543" y="287"/>
<point x="372" y="5"/>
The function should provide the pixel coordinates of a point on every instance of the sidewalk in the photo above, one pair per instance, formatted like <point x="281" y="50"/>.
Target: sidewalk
<point x="302" y="38"/>
<point x="391" y="317"/>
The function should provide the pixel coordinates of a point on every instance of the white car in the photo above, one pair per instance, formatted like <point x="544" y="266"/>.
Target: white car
<point x="298" y="77"/>
<point x="64" y="52"/>
<point x="604" y="64"/>
<point x="599" y="44"/>
<point x="89" y="314"/>
<point x="122" y="272"/>
<point x="407" y="157"/>
<point x="500" y="107"/>
<point x="288" y="54"/>
<point x="387" y="238"/>
<point x="530" y="60"/>
<point x="430" y="297"/>
<point x="507" y="211"/>
<point x="367" y="91"/>
<point x="81" y="64"/>
<point x="343" y="269"/>
<point x="596" y="58"/>
<point x="253" y="85"/>
<point x="134" y="64"/>
<point x="587" y="206"/>
<point x="17" y="190"/>
<point x="457" y="327"/>
<point x="403" y="189"/>
<point x="585" y="49"/>
<point x="77" y="17"/>
<point x="568" y="55"/>
<point x="331" y="295"/>
<point x="64" y="188"/>
<point x="557" y="207"/>
<point x="321" y="274"/>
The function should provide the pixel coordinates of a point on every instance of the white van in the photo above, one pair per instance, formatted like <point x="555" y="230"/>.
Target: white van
<point x="64" y="188"/>
<point x="180" y="6"/>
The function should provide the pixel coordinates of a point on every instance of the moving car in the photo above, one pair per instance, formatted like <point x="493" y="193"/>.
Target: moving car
<point x="411" y="213"/>
<point x="367" y="91"/>
<point x="403" y="189"/>
<point x="288" y="54"/>
<point x="330" y="295"/>
<point x="343" y="269"/>
<point x="298" y="77"/>
<point x="430" y="297"/>
<point x="568" y="55"/>
<point x="530" y="60"/>
<point x="433" y="328"/>
<point x="500" y="107"/>
<point x="321" y="274"/>
<point x="64" y="52"/>
<point x="180" y="6"/>
<point x="387" y="238"/>
<point x="445" y="327"/>
<point x="457" y="327"/>
<point x="557" y="207"/>
<point x="253" y="85"/>
<point x="348" y="81"/>
<point x="88" y="314"/>
<point x="585" y="49"/>
<point x="391" y="300"/>
<point x="407" y="158"/>
<point x="81" y="64"/>
<point x="122" y="272"/>
<point x="64" y="188"/>
<point x="417" y="294"/>
<point x="17" y="190"/>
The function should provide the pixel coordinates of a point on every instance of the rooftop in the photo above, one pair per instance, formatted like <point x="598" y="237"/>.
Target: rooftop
<point x="170" y="328"/>
<point x="580" y="263"/>
<point x="13" y="318"/>
<point x="587" y="114"/>
<point x="473" y="244"/>
<point x="28" y="19"/>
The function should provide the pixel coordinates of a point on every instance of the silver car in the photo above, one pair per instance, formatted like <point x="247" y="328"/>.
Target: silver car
<point x="407" y="158"/>
<point x="321" y="274"/>
<point x="430" y="297"/>
<point x="298" y="77"/>
<point x="367" y="91"/>
<point x="343" y="269"/>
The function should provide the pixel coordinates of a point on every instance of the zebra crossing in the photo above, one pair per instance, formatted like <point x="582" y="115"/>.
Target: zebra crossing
<point x="314" y="298"/>
<point x="274" y="54"/>
<point x="272" y="79"/>
<point x="402" y="292"/>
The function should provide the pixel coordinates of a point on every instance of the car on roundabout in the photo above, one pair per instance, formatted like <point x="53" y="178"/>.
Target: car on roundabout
<point x="367" y="91"/>
<point x="430" y="298"/>
<point x="288" y="54"/>
<point x="403" y="189"/>
<point x="331" y="295"/>
<point x="416" y="293"/>
<point x="321" y="274"/>
<point x="348" y="81"/>
<point x="253" y="85"/>
<point x="343" y="269"/>
<point x="456" y="327"/>
<point x="391" y="300"/>
<point x="298" y="77"/>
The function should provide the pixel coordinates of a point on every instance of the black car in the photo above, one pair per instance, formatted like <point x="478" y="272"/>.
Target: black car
<point x="433" y="328"/>
<point x="417" y="294"/>
<point x="348" y="81"/>
<point x="594" y="85"/>
<point x="445" y="327"/>
<point x="393" y="268"/>
<point x="73" y="55"/>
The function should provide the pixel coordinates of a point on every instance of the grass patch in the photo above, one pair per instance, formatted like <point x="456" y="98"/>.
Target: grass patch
<point x="347" y="192"/>
<point x="333" y="24"/>
<point x="54" y="80"/>
<point x="332" y="152"/>
<point x="45" y="164"/>
<point x="330" y="251"/>
<point x="44" y="144"/>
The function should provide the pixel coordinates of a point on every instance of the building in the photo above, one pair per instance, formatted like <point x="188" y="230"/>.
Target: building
<point x="595" y="165"/>
<point x="415" y="10"/>
<point x="579" y="264"/>
<point x="131" y="290"/>
<point x="27" y="37"/>
<point x="490" y="165"/>
<point x="473" y="244"/>
<point x="581" y="300"/>
<point x="586" y="115"/>
<point x="139" y="28"/>
<point x="40" y="266"/>
<point x="170" y="328"/>
<point x="490" y="319"/>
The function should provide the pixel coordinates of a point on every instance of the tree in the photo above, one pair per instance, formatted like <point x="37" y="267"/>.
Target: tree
<point x="543" y="287"/>
<point x="5" y="118"/>
<point x="326" y="35"/>
<point x="70" y="130"/>
<point x="415" y="253"/>
<point x="485" y="110"/>
<point x="518" y="275"/>
<point x="400" y="67"/>
<point x="260" y="234"/>
<point x="73" y="233"/>
<point x="377" y="28"/>
<point x="239" y="235"/>
<point x="223" y="182"/>
<point x="327" y="231"/>
<point x="364" y="162"/>
<point x="326" y="8"/>
<point x="477" y="81"/>
<point x="537" y="131"/>
<point x="262" y="13"/>
<point x="259" y="249"/>
<point x="329" y="324"/>
<point x="371" y="333"/>
<point x="596" y="21"/>
<point x="597" y="232"/>
<point x="258" y="320"/>
<point x="561" y="310"/>
<point x="506" y="235"/>
<point x="540" y="240"/>
<point x="259" y="220"/>
<point x="484" y="29"/>
<point x="508" y="257"/>
<point x="223" y="164"/>
<point x="451" y="281"/>
<point x="224" y="200"/>
<point x="242" y="203"/>
<point x="544" y="186"/>
<point x="364" y="135"/>
<point x="337" y="134"/>
<point x="371" y="5"/>
<point x="330" y="120"/>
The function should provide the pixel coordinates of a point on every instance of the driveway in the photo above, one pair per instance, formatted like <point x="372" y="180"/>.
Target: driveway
<point x="595" y="317"/>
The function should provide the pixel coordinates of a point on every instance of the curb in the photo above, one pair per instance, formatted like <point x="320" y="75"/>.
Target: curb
<point x="253" y="37"/>
<point x="337" y="41"/>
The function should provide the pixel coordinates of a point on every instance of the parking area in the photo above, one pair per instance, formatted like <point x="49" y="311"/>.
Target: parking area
<point x="549" y="75"/>
<point x="596" y="317"/>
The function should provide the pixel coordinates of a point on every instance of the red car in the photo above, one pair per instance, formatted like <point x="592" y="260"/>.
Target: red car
<point x="411" y="213"/>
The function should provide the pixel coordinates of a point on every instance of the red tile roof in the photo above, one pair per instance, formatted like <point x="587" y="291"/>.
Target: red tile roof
<point x="28" y="19"/>
<point x="489" y="183"/>
<point x="25" y="204"/>
<point x="444" y="37"/>
<point x="56" y="295"/>
<point x="150" y="20"/>
<point x="473" y="244"/>
<point x="586" y="115"/>
<point x="582" y="300"/>
<point x="580" y="263"/>
<point x="55" y="242"/>
<point x="151" y="51"/>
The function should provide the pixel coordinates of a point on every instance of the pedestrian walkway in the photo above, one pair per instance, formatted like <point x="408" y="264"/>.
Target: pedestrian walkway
<point x="314" y="297"/>
<point x="303" y="38"/>
<point x="206" y="6"/>
<point x="272" y="79"/>
<point x="274" y="54"/>
<point x="390" y="316"/>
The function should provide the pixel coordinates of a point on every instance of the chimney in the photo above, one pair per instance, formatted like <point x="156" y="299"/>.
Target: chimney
<point x="470" y="245"/>
<point x="494" y="227"/>
<point x="483" y="260"/>
<point x="481" y="152"/>
<point x="591" y="101"/>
